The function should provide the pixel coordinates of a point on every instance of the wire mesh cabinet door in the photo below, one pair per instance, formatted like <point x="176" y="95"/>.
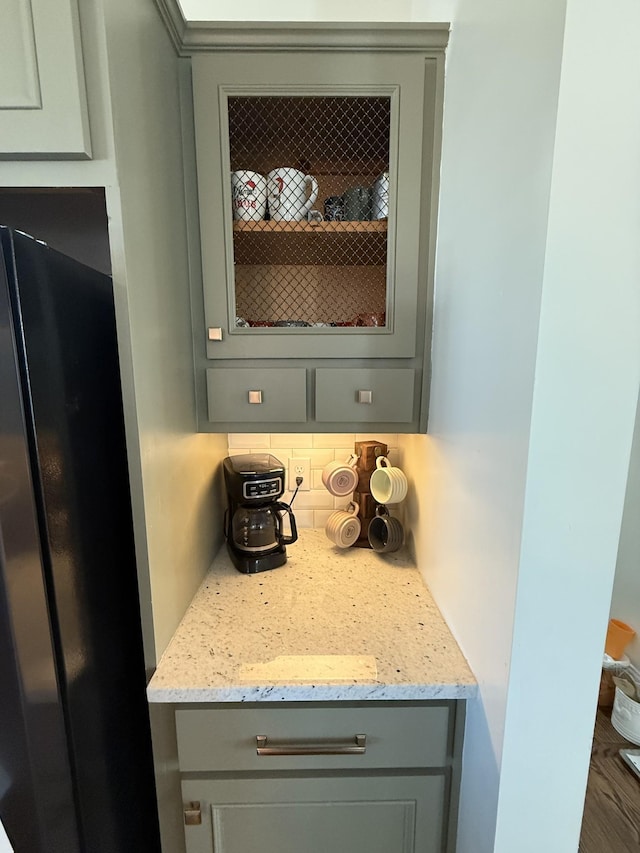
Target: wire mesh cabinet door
<point x="314" y="183"/>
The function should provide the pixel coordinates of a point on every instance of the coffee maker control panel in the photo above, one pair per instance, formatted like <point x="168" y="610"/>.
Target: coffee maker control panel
<point x="260" y="489"/>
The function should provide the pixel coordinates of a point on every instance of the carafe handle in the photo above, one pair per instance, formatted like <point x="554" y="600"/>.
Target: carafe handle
<point x="286" y="540"/>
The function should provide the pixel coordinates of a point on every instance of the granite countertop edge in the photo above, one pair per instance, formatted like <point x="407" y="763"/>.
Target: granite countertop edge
<point x="314" y="693"/>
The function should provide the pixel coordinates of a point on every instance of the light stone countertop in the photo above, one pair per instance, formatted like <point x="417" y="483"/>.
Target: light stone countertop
<point x="329" y="625"/>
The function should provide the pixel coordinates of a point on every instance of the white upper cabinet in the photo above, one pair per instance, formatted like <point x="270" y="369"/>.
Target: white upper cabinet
<point x="43" y="105"/>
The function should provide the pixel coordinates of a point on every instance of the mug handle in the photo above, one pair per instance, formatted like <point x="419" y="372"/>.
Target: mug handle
<point x="314" y="193"/>
<point x="381" y="510"/>
<point x="382" y="459"/>
<point x="356" y="508"/>
<point x="352" y="460"/>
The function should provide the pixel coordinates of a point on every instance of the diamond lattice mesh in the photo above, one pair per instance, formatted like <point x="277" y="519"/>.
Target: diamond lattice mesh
<point x="310" y="192"/>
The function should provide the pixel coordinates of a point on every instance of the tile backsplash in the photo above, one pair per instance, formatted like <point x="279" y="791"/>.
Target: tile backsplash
<point x="311" y="508"/>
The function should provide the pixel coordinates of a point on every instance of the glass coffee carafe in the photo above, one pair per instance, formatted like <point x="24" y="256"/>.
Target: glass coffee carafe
<point x="259" y="530"/>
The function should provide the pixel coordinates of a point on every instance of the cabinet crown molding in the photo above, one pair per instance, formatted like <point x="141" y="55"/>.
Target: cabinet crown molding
<point x="193" y="36"/>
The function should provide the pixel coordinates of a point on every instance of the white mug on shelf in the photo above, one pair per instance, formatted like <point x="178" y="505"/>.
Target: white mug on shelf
<point x="249" y="195"/>
<point x="287" y="194"/>
<point x="381" y="197"/>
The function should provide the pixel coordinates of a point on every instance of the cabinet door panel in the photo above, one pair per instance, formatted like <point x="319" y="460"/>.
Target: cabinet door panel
<point x="400" y="79"/>
<point x="353" y="815"/>
<point x="281" y="394"/>
<point x="43" y="109"/>
<point x="388" y="395"/>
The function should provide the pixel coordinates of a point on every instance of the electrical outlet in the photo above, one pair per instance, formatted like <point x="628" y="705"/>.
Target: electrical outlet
<point x="299" y="467"/>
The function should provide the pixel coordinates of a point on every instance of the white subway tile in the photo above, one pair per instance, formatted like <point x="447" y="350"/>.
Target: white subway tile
<point x="343" y="453"/>
<point x="314" y="499"/>
<point x="290" y="439"/>
<point x="320" y="458"/>
<point x="333" y="439"/>
<point x="304" y="518"/>
<point x="321" y="516"/>
<point x="249" y="439"/>
<point x="316" y="479"/>
<point x="283" y="454"/>
<point x="238" y="451"/>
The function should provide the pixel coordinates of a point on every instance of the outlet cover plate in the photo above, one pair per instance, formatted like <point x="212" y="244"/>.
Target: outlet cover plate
<point x="299" y="466"/>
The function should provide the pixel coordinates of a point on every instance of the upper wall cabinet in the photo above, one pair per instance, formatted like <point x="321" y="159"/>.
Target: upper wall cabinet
<point x="43" y="106"/>
<point x="313" y="153"/>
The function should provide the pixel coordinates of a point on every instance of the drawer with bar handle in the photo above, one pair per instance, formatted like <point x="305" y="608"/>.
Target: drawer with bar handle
<point x="316" y="737"/>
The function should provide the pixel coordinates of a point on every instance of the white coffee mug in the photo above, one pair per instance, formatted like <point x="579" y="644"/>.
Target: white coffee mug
<point x="343" y="526"/>
<point x="287" y="194"/>
<point x="388" y="485"/>
<point x="341" y="478"/>
<point x="249" y="195"/>
<point x="380" y="206"/>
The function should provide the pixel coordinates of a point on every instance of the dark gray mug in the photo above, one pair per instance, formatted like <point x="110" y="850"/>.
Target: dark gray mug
<point x="357" y="203"/>
<point x="385" y="534"/>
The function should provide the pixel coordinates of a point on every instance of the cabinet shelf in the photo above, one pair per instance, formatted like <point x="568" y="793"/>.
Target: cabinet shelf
<point x="298" y="244"/>
<point x="269" y="226"/>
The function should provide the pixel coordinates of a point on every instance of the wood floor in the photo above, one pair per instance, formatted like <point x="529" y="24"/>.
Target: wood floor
<point x="611" y="821"/>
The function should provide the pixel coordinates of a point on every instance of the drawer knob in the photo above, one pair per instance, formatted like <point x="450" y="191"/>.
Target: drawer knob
<point x="214" y="333"/>
<point x="192" y="814"/>
<point x="356" y="746"/>
<point x="365" y="396"/>
<point x="255" y="396"/>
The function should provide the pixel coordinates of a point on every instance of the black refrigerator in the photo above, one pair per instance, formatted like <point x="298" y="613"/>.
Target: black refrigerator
<point x="76" y="769"/>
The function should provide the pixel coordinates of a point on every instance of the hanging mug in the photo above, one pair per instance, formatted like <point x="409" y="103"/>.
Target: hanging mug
<point x="388" y="484"/>
<point x="385" y="533"/>
<point x="343" y="526"/>
<point x="249" y="195"/>
<point x="287" y="194"/>
<point x="341" y="478"/>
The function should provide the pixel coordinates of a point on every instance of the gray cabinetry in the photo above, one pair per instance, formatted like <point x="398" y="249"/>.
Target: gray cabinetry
<point x="316" y="181"/>
<point x="43" y="107"/>
<point x="353" y="777"/>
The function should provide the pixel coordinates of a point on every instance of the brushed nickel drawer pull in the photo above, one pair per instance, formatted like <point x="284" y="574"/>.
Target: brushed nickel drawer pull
<point x="365" y="397"/>
<point x="357" y="746"/>
<point x="255" y="396"/>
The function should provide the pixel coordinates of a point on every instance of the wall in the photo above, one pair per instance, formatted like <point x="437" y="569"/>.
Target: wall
<point x="625" y="604"/>
<point x="586" y="391"/>
<point x="501" y="90"/>
<point x="181" y="493"/>
<point x="520" y="540"/>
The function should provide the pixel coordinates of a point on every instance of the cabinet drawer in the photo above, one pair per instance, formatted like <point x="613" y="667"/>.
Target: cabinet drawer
<point x="225" y="739"/>
<point x="282" y="391"/>
<point x="390" y="392"/>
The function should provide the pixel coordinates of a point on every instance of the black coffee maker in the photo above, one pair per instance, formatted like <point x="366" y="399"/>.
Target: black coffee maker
<point x="253" y="521"/>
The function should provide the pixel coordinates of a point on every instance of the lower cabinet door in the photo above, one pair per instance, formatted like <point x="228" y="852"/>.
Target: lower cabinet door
<point x="382" y="814"/>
